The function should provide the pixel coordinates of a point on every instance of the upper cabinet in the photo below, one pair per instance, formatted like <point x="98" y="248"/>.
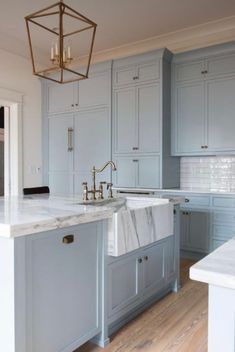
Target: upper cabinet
<point x="136" y="73"/>
<point x="137" y="119"/>
<point x="203" y="104"/>
<point x="85" y="94"/>
<point x="141" y="121"/>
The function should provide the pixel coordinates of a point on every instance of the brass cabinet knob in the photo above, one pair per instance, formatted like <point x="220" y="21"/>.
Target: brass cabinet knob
<point x="140" y="260"/>
<point x="186" y="200"/>
<point x="68" y="239"/>
<point x="146" y="258"/>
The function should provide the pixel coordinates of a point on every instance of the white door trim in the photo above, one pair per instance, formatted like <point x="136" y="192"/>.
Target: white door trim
<point x="13" y="154"/>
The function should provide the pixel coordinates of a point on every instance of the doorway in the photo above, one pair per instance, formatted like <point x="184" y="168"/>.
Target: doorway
<point x="11" y="170"/>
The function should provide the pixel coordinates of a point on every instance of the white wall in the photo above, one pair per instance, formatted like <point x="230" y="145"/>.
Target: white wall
<point x="16" y="74"/>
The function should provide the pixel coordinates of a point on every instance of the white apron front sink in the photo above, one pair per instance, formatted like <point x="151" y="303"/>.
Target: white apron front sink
<point x="137" y="222"/>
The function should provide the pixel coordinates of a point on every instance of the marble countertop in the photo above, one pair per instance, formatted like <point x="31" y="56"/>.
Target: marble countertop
<point x="21" y="216"/>
<point x="218" y="268"/>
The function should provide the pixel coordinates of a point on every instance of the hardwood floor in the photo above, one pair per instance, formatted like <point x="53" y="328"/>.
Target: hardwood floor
<point x="177" y="323"/>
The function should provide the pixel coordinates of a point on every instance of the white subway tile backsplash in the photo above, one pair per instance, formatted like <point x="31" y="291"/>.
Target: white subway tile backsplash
<point x="208" y="173"/>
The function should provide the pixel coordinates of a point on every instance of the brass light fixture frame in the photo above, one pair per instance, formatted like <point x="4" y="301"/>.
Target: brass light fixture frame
<point x="60" y="9"/>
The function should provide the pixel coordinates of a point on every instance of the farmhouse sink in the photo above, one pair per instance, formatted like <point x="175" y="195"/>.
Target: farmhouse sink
<point x="137" y="222"/>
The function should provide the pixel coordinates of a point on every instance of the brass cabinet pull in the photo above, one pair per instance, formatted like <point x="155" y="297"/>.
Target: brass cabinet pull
<point x="68" y="239"/>
<point x="186" y="200"/>
<point x="135" y="148"/>
<point x="135" y="160"/>
<point x="70" y="139"/>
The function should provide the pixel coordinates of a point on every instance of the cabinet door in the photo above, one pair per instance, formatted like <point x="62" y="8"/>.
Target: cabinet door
<point x="196" y="230"/>
<point x="124" y="75"/>
<point x="154" y="271"/>
<point x="63" y="297"/>
<point x="148" y="71"/>
<point x="190" y="118"/>
<point x="92" y="146"/>
<point x="220" y="65"/>
<point x="126" y="173"/>
<point x="189" y="71"/>
<point x="61" y="154"/>
<point x="125" y="134"/>
<point x="148" y="172"/>
<point x="220" y="110"/>
<point x="95" y="90"/>
<point x="148" y="100"/>
<point x="123" y="284"/>
<point x="61" y="97"/>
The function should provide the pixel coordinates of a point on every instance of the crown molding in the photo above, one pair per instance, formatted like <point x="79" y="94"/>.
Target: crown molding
<point x="200" y="36"/>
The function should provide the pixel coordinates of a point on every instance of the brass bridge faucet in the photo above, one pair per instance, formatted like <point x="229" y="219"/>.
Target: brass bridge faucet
<point x="93" y="190"/>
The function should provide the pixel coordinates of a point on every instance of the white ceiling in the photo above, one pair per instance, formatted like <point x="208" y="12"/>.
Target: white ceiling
<point x="119" y="21"/>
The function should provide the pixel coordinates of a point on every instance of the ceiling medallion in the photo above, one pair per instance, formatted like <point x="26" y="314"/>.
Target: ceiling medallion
<point x="61" y="41"/>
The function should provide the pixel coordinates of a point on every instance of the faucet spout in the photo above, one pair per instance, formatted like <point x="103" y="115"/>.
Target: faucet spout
<point x="105" y="165"/>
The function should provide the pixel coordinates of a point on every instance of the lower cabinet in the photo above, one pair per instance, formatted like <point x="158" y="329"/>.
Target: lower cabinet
<point x="63" y="288"/>
<point x="133" y="278"/>
<point x="195" y="230"/>
<point x="137" y="171"/>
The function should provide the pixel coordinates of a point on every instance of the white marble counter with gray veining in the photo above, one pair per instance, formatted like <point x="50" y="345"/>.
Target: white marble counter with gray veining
<point x="218" y="268"/>
<point x="21" y="216"/>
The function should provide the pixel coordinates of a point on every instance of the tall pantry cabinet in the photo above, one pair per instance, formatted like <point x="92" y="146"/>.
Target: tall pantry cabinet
<point x="141" y="103"/>
<point x="77" y="130"/>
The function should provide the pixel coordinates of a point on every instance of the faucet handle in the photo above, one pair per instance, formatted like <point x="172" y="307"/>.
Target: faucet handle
<point x="101" y="195"/>
<point x="85" y="191"/>
<point x="109" y="187"/>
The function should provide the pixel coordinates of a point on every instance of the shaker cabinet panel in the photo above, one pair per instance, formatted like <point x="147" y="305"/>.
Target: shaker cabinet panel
<point x="123" y="283"/>
<point x="189" y="71"/>
<point x="92" y="146"/>
<point x="220" y="109"/>
<point x="63" y="304"/>
<point x="94" y="91"/>
<point x="126" y="173"/>
<point x="148" y="172"/>
<point x="154" y="271"/>
<point x="148" y="71"/>
<point x="221" y="65"/>
<point x="148" y="98"/>
<point x="61" y="143"/>
<point x="124" y="75"/>
<point x="61" y="97"/>
<point x="190" y="118"/>
<point x="124" y="120"/>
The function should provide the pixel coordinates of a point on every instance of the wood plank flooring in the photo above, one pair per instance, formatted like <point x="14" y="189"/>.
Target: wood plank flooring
<point x="177" y="323"/>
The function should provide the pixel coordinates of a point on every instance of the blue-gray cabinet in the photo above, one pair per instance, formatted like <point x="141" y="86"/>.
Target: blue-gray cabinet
<point x="141" y="121"/>
<point x="60" y="150"/>
<point x="140" y="171"/>
<point x="63" y="288"/>
<point x="77" y="130"/>
<point x="203" y="103"/>
<point x="136" y="277"/>
<point x="195" y="230"/>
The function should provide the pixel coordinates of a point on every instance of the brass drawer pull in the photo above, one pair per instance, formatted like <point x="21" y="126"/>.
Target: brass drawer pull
<point x="68" y="239"/>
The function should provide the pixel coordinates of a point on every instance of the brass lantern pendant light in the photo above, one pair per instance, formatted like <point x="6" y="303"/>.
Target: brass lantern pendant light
<point x="61" y="41"/>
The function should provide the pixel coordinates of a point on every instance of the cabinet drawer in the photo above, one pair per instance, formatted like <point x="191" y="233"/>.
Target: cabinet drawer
<point x="196" y="201"/>
<point x="223" y="232"/>
<point x="189" y="71"/>
<point x="221" y="217"/>
<point x="223" y="202"/>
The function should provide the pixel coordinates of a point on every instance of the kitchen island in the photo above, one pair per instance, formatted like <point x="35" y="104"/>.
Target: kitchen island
<point x="59" y="287"/>
<point x="218" y="270"/>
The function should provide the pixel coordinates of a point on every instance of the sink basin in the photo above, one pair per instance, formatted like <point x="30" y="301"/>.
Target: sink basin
<point x="137" y="222"/>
